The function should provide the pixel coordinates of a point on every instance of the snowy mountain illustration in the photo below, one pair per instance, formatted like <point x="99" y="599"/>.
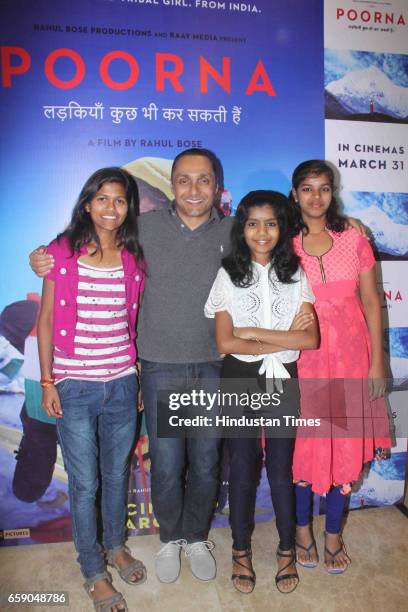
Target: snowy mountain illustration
<point x="368" y="93"/>
<point x="378" y="491"/>
<point x="390" y="237"/>
<point x="399" y="369"/>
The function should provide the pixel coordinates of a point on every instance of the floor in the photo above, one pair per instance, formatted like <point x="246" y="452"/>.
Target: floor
<point x="377" y="542"/>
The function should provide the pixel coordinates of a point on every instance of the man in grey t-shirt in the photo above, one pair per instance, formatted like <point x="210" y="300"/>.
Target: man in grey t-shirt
<point x="183" y="246"/>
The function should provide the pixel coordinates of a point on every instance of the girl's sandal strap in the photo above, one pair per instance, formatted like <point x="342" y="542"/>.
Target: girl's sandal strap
<point x="106" y="604"/>
<point x="333" y="555"/>
<point x="280" y="577"/>
<point x="249" y="578"/>
<point x="127" y="572"/>
<point x="244" y="577"/>
<point x="245" y="555"/>
<point x="308" y="549"/>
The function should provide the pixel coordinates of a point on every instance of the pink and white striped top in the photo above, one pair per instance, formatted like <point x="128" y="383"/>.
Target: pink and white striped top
<point x="102" y="341"/>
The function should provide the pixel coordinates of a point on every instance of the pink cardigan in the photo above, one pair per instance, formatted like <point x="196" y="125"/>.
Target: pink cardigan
<point x="65" y="276"/>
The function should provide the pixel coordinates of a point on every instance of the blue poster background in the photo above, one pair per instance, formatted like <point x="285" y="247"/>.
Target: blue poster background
<point x="46" y="161"/>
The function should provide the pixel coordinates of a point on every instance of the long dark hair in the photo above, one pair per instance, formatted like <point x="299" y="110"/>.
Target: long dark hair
<point x="284" y="261"/>
<point x="81" y="230"/>
<point x="335" y="221"/>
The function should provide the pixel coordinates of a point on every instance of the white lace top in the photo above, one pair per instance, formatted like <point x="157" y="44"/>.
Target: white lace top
<point x="267" y="303"/>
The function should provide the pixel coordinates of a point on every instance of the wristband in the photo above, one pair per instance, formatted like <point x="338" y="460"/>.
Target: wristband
<point x="46" y="382"/>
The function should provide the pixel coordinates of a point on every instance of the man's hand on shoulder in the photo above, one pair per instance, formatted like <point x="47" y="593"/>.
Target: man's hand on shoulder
<point x="358" y="225"/>
<point x="40" y="261"/>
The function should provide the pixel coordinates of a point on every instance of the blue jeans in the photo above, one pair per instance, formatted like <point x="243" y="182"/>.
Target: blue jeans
<point x="96" y="434"/>
<point x="184" y="471"/>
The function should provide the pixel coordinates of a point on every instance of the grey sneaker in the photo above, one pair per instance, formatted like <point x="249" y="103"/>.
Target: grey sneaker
<point x="202" y="562"/>
<point x="167" y="561"/>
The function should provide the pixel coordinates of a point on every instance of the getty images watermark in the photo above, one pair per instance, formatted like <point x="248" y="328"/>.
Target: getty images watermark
<point x="202" y="411"/>
<point x="330" y="408"/>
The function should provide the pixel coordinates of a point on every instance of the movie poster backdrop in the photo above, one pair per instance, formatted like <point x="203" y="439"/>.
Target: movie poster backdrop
<point x="366" y="134"/>
<point x="93" y="83"/>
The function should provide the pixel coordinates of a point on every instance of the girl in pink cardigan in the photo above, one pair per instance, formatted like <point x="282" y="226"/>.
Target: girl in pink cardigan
<point x="86" y="340"/>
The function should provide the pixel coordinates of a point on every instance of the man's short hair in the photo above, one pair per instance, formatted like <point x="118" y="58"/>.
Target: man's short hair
<point x="215" y="163"/>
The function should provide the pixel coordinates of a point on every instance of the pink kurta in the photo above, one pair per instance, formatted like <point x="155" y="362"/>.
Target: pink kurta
<point x="351" y="425"/>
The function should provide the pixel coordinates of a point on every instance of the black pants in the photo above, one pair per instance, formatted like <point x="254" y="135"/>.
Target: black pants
<point x="245" y="456"/>
<point x="35" y="457"/>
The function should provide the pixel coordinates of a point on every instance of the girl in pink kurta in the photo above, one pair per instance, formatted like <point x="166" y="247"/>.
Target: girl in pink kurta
<point x="343" y="380"/>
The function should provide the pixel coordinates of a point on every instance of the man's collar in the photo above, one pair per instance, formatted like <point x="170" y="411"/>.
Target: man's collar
<point x="214" y="216"/>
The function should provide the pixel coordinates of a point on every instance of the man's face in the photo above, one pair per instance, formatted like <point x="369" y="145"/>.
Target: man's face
<point x="195" y="187"/>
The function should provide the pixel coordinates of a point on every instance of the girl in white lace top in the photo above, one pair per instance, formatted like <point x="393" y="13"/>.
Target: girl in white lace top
<point x="262" y="304"/>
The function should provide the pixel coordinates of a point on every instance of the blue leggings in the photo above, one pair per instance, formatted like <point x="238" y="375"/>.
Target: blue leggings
<point x="335" y="504"/>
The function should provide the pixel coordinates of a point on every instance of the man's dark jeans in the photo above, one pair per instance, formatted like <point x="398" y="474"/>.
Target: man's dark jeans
<point x="184" y="471"/>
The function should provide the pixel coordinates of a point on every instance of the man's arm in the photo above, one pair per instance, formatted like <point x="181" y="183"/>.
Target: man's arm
<point x="358" y="225"/>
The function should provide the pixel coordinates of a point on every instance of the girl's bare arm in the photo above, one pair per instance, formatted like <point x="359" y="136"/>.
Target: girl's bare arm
<point x="50" y="398"/>
<point x="303" y="334"/>
<point x="228" y="342"/>
<point x="372" y="312"/>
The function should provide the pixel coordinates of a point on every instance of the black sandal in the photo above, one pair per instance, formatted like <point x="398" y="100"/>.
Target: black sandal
<point x="279" y="576"/>
<point x="333" y="555"/>
<point x="307" y="549"/>
<point x="251" y="578"/>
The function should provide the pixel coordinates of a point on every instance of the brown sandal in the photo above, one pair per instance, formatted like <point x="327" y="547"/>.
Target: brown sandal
<point x="279" y="576"/>
<point x="249" y="578"/>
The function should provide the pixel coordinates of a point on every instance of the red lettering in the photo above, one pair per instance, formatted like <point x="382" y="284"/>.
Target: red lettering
<point x="79" y="68"/>
<point x="398" y="296"/>
<point x="171" y="75"/>
<point x="223" y="79"/>
<point x="387" y="295"/>
<point x="7" y="69"/>
<point x="366" y="16"/>
<point x="264" y="84"/>
<point x="131" y="62"/>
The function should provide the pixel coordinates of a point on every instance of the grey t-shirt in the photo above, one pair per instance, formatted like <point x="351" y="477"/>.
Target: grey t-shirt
<point x="181" y="267"/>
